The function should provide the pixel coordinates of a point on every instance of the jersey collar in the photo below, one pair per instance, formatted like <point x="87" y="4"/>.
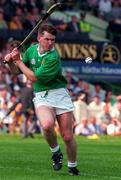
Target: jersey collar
<point x="41" y="55"/>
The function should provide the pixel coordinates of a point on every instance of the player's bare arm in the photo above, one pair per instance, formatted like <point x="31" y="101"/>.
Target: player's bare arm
<point x="26" y="71"/>
<point x="15" y="56"/>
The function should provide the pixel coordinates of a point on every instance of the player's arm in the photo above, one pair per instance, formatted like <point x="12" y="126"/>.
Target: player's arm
<point x="26" y="71"/>
<point x="15" y="56"/>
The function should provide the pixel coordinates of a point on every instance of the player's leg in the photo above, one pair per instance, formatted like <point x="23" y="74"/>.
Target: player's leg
<point x="47" y="117"/>
<point x="65" y="122"/>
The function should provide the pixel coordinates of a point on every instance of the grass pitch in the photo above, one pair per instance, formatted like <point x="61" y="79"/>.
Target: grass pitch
<point x="30" y="159"/>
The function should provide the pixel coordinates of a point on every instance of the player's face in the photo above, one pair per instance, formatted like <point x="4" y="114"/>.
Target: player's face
<point x="46" y="41"/>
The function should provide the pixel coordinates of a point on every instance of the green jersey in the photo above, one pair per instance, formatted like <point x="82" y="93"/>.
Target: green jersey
<point x="46" y="67"/>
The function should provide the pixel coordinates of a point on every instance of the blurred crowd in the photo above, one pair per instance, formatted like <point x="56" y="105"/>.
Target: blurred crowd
<point x="24" y="14"/>
<point x="97" y="111"/>
<point x="110" y="11"/>
<point x="105" y="9"/>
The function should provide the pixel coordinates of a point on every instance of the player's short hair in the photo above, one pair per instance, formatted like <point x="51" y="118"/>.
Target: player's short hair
<point x="48" y="28"/>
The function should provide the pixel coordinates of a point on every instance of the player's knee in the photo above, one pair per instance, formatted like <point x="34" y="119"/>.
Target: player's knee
<point x="47" y="126"/>
<point x="67" y="138"/>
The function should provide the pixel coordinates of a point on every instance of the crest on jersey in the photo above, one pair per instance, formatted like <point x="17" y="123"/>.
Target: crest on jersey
<point x="43" y="62"/>
<point x="33" y="61"/>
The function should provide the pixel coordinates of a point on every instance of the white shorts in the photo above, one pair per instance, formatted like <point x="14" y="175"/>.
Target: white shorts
<point x="59" y="99"/>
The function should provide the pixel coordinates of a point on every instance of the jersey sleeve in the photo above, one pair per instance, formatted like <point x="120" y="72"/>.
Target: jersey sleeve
<point x="25" y="57"/>
<point x="49" y="69"/>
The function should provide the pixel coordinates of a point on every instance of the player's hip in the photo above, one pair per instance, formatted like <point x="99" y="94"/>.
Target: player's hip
<point x="56" y="98"/>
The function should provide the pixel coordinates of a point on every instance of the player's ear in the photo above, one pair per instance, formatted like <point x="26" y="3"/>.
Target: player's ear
<point x="39" y="37"/>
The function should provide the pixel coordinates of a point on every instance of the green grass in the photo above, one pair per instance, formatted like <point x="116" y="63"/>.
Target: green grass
<point x="30" y="159"/>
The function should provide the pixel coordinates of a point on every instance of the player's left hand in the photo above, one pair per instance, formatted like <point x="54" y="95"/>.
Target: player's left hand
<point x="8" y="57"/>
<point x="15" y="55"/>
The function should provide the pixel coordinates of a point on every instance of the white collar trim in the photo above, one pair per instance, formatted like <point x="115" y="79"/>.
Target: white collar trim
<point x="45" y="52"/>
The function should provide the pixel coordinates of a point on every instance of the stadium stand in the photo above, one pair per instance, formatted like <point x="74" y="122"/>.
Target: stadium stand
<point x="99" y="26"/>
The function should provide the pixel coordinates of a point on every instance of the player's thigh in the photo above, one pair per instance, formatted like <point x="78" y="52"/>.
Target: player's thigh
<point x="65" y="122"/>
<point x="46" y="116"/>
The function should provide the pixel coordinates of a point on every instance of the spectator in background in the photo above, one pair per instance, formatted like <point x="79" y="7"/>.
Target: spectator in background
<point x="104" y="118"/>
<point x="29" y="22"/>
<point x="116" y="111"/>
<point x="20" y="13"/>
<point x="5" y="74"/>
<point x="113" y="129"/>
<point x="3" y="23"/>
<point x="93" y="3"/>
<point x="93" y="6"/>
<point x="97" y="91"/>
<point x="33" y="125"/>
<point x="86" y="87"/>
<point x="84" y="26"/>
<point x="16" y="92"/>
<point x="35" y="12"/>
<point x="114" y="27"/>
<point x="12" y="101"/>
<point x="105" y="7"/>
<point x="80" y="108"/>
<point x="87" y="127"/>
<point x="93" y="126"/>
<point x="116" y="11"/>
<point x="79" y="87"/>
<point x="8" y="46"/>
<point x="58" y="23"/>
<point x="26" y="96"/>
<point x="82" y="128"/>
<point x="8" y="8"/>
<point x="109" y="98"/>
<point x="15" y="23"/>
<point x="71" y="81"/>
<point x="2" y="80"/>
<point x="4" y="96"/>
<point x="33" y="4"/>
<point x="5" y="118"/>
<point x="95" y="106"/>
<point x="18" y="117"/>
<point x="15" y="83"/>
<point x="21" y="6"/>
<point x="73" y="25"/>
<point x="119" y="2"/>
